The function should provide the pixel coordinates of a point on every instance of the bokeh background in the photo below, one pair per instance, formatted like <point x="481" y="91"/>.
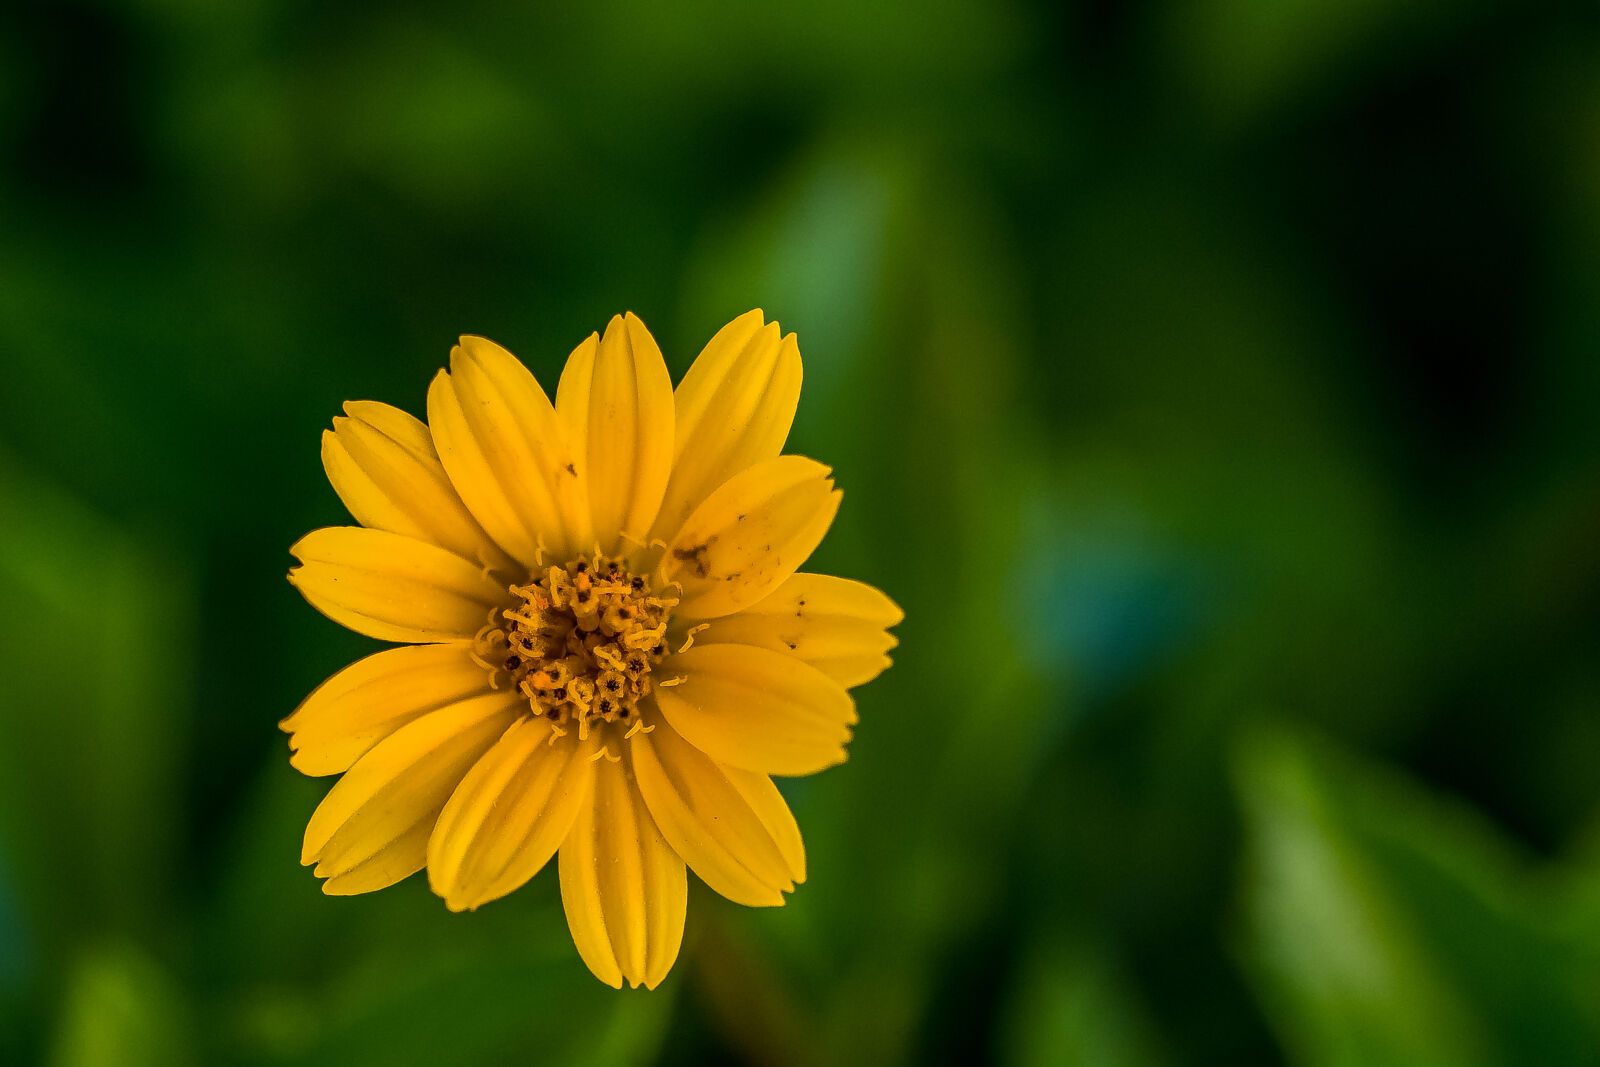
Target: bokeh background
<point x="1214" y="382"/>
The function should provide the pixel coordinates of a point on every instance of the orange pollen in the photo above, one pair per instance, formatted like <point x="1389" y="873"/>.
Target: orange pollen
<point x="579" y="643"/>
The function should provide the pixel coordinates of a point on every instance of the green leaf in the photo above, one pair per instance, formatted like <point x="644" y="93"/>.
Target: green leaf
<point x="95" y="650"/>
<point x="1070" y="1007"/>
<point x="1385" y="925"/>
<point x="122" y="1009"/>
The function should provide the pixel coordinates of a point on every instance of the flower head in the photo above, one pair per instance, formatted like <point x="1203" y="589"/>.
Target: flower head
<point x="606" y="647"/>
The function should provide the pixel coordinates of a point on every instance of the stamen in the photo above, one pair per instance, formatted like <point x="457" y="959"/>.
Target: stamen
<point x="580" y="643"/>
<point x="483" y="563"/>
<point x="688" y="637"/>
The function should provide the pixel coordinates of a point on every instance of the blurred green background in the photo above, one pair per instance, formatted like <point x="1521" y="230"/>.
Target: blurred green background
<point x="1214" y="382"/>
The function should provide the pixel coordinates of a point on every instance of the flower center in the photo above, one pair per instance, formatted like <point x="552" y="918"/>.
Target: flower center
<point x="579" y="643"/>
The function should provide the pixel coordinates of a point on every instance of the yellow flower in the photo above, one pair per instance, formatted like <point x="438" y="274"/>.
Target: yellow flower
<point x="606" y="649"/>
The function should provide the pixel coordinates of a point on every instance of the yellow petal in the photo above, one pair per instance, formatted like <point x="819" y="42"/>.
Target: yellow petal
<point x="834" y="624"/>
<point x="704" y="813"/>
<point x="506" y="453"/>
<point x="773" y="811"/>
<point x="372" y="698"/>
<point x="734" y="409"/>
<point x="751" y="535"/>
<point x="400" y="858"/>
<point x="615" y="402"/>
<point x="508" y="816"/>
<point x="382" y="463"/>
<point x="757" y="709"/>
<point x="391" y="587"/>
<point x="851" y="671"/>
<point x="623" y="888"/>
<point x="376" y="808"/>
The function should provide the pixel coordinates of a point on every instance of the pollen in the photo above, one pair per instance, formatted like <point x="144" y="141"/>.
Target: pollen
<point x="580" y="642"/>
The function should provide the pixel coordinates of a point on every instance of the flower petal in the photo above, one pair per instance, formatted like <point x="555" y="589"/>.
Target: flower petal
<point x="615" y="402"/>
<point x="623" y="888"/>
<point x="373" y="697"/>
<point x="734" y="410"/>
<point x="750" y="535"/>
<point x="376" y="809"/>
<point x="834" y="624"/>
<point x="769" y="806"/>
<point x="505" y="451"/>
<point x="391" y="587"/>
<point x="400" y="858"/>
<point x="508" y="816"/>
<point x="757" y="709"/>
<point x="705" y="812"/>
<point x="382" y="463"/>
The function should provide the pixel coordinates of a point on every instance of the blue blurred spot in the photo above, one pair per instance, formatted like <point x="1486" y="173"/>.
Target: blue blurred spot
<point x="1112" y="601"/>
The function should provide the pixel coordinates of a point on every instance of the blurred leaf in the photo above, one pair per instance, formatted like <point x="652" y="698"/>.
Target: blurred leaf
<point x="1069" y="1007"/>
<point x="482" y="1001"/>
<point x="739" y="987"/>
<point x="94" y="647"/>
<point x="1247" y="58"/>
<point x="811" y="253"/>
<point x="449" y="131"/>
<point x="1384" y="925"/>
<point x="122" y="1010"/>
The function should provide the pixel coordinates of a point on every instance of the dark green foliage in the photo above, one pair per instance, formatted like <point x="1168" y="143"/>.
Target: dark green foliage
<point x="1214" y="383"/>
